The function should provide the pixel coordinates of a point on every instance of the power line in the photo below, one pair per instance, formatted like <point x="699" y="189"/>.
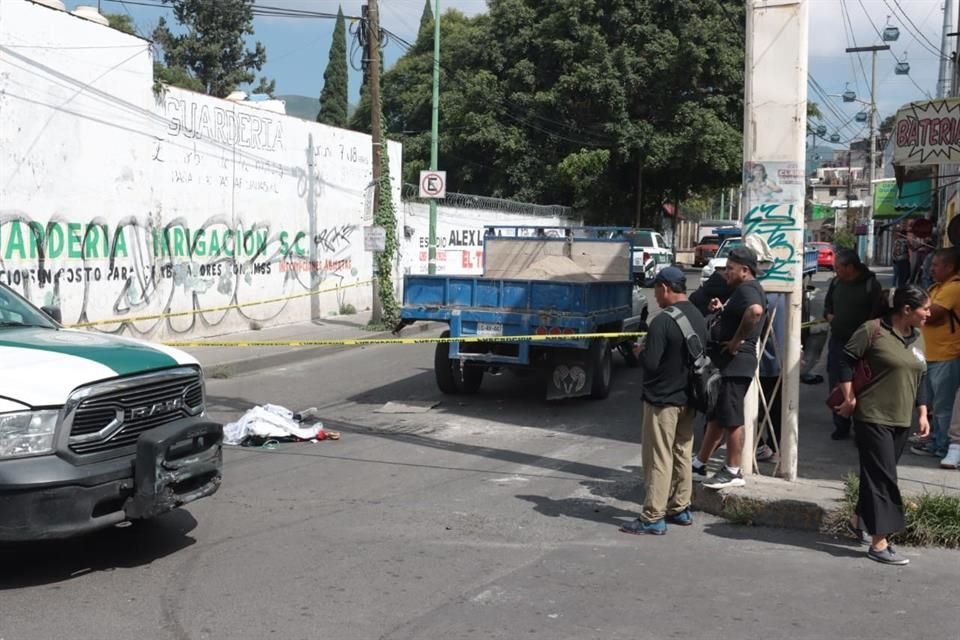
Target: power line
<point x="932" y="48"/>
<point x="890" y="51"/>
<point x="848" y="25"/>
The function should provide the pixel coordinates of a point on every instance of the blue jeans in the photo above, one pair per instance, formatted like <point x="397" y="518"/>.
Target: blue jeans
<point x="901" y="273"/>
<point x="834" y="359"/>
<point x="943" y="380"/>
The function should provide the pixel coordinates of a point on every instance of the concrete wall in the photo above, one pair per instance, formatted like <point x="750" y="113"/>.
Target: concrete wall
<point x="115" y="203"/>
<point x="118" y="204"/>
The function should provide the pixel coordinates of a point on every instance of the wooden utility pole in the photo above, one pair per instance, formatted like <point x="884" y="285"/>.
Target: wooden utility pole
<point x="373" y="81"/>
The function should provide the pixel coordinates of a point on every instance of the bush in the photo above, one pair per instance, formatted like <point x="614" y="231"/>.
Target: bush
<point x="933" y="519"/>
<point x="844" y="239"/>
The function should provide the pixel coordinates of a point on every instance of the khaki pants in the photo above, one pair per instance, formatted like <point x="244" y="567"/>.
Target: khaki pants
<point x="667" y="452"/>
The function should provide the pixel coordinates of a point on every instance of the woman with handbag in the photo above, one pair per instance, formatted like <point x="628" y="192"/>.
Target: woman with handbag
<point x="884" y="360"/>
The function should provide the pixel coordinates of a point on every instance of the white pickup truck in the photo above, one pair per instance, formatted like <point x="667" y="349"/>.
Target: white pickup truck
<point x="651" y="254"/>
<point x="95" y="429"/>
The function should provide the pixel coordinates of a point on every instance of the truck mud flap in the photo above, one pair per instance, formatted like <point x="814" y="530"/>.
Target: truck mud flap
<point x="570" y="377"/>
<point x="176" y="464"/>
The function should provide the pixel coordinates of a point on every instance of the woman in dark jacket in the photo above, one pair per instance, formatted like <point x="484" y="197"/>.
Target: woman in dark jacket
<point x="883" y="411"/>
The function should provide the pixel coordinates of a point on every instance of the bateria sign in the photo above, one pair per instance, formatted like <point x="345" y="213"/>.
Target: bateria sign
<point x="927" y="132"/>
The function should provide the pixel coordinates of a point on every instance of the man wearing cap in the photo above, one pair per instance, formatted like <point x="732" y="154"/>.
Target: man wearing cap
<point x="667" y="420"/>
<point x="734" y="339"/>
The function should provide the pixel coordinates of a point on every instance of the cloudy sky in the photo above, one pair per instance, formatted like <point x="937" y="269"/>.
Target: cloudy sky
<point x="297" y="48"/>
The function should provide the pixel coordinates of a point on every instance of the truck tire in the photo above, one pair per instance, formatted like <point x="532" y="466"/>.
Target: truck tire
<point x="443" y="367"/>
<point x="448" y="373"/>
<point x="601" y="361"/>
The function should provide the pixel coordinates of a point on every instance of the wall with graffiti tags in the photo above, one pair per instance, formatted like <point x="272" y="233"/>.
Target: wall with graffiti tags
<point x="119" y="205"/>
<point x="459" y="236"/>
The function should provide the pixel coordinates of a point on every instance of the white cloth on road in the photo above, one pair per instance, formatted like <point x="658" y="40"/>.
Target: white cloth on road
<point x="268" y="421"/>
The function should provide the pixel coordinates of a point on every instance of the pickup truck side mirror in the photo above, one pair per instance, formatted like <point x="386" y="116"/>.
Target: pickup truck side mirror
<point x="54" y="313"/>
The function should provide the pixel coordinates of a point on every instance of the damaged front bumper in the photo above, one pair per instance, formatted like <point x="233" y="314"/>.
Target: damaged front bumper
<point x="49" y="497"/>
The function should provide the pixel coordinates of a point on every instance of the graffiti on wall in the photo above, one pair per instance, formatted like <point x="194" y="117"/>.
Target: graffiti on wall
<point x="143" y="266"/>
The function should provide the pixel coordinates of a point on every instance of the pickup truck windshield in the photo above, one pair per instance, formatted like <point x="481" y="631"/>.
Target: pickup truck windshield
<point x="17" y="312"/>
<point x="727" y="247"/>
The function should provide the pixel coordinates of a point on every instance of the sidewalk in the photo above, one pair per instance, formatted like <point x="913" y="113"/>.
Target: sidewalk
<point x="823" y="465"/>
<point x="230" y="361"/>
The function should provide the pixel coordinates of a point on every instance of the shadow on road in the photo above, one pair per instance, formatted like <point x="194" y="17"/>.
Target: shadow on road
<point x="837" y="547"/>
<point x="30" y="564"/>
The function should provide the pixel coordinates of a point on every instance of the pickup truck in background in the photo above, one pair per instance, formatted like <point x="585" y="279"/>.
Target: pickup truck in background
<point x="651" y="254"/>
<point x="577" y="281"/>
<point x="95" y="429"/>
<point x="705" y="249"/>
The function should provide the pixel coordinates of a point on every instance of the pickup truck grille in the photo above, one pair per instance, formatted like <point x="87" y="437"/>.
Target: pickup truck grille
<point x="113" y="415"/>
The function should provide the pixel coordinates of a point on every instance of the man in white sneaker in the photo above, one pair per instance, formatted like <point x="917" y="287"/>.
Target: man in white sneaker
<point x="735" y="354"/>
<point x="952" y="459"/>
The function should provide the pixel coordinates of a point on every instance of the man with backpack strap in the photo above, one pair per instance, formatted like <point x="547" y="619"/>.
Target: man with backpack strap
<point x="853" y="297"/>
<point x="675" y="337"/>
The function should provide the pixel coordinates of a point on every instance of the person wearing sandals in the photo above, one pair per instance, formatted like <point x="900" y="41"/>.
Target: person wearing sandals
<point x="882" y="412"/>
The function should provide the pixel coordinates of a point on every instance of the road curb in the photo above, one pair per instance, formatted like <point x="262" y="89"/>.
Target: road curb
<point x="290" y="356"/>
<point x="751" y="505"/>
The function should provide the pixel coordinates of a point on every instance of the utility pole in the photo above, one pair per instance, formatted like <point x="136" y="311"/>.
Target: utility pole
<point x="774" y="135"/>
<point x="373" y="79"/>
<point x="434" y="140"/>
<point x="944" y="79"/>
<point x="873" y="140"/>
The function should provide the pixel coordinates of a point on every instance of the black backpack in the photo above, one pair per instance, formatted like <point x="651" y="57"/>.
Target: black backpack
<point x="703" y="386"/>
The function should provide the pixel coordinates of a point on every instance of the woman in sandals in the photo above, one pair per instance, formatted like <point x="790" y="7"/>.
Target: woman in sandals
<point x="883" y="411"/>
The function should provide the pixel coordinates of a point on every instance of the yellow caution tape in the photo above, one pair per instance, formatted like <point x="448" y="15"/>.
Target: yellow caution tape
<point x="226" y="307"/>
<point x="363" y="342"/>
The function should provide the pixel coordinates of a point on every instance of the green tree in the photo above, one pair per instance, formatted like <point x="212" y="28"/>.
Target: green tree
<point x="426" y="22"/>
<point x="212" y="49"/>
<point x="334" y="99"/>
<point x="568" y="101"/>
<point x="121" y="22"/>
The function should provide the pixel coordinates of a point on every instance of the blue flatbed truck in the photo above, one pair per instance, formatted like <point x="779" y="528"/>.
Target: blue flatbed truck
<point x="523" y="293"/>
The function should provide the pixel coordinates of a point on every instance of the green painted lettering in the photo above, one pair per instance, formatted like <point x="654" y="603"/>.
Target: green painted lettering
<point x="36" y="239"/>
<point x="120" y="243"/>
<point x="15" y="242"/>
<point x="199" y="244"/>
<point x="55" y="240"/>
<point x="214" y="244"/>
<point x="90" y="241"/>
<point x="74" y="240"/>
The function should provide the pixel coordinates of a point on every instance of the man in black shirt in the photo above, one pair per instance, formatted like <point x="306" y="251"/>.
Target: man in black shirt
<point x="734" y="339"/>
<point x="667" y="418"/>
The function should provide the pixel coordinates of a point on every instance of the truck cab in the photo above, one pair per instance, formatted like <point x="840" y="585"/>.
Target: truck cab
<point x="651" y="254"/>
<point x="95" y="429"/>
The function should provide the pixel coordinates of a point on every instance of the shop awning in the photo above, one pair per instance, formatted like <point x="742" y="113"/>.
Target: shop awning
<point x="915" y="196"/>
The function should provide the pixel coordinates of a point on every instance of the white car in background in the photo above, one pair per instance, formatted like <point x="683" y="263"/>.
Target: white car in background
<point x="719" y="261"/>
<point x="651" y="255"/>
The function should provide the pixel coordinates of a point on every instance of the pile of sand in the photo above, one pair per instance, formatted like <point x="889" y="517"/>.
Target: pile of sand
<point x="557" y="268"/>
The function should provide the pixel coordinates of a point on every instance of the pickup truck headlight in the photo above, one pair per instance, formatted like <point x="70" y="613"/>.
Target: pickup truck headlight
<point x="27" y="433"/>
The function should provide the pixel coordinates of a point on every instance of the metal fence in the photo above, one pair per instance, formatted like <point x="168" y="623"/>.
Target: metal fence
<point x="487" y="203"/>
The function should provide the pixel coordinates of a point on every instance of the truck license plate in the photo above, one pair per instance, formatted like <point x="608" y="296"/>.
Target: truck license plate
<point x="489" y="329"/>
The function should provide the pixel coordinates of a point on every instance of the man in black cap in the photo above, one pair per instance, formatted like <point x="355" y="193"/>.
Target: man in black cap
<point x="667" y="419"/>
<point x="734" y="340"/>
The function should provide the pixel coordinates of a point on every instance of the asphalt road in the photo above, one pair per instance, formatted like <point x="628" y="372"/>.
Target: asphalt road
<point x="492" y="516"/>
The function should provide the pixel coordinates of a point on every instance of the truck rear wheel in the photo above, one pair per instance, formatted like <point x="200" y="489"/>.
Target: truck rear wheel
<point x="601" y="361"/>
<point x="450" y="379"/>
